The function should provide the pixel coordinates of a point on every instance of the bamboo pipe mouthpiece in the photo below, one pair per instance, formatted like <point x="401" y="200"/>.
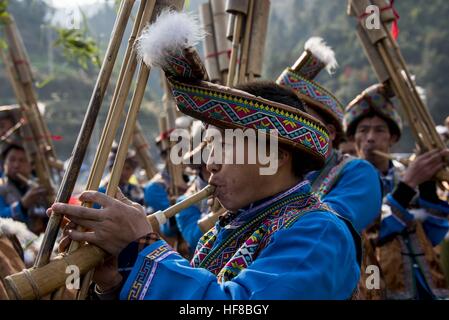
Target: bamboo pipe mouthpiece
<point x="159" y="218"/>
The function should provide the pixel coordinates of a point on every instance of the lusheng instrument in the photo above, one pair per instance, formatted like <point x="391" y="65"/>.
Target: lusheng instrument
<point x="389" y="65"/>
<point x="440" y="176"/>
<point x="36" y="283"/>
<point x="249" y="21"/>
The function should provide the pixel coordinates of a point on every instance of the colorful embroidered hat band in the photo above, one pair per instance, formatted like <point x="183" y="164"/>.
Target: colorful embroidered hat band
<point x="373" y="99"/>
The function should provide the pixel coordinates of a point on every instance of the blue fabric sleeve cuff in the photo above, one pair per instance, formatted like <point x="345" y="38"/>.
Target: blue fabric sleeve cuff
<point x="144" y="269"/>
<point x="440" y="209"/>
<point x="436" y="229"/>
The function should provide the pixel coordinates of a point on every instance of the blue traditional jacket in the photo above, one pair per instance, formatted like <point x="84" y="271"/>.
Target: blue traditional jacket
<point x="404" y="238"/>
<point x="351" y="187"/>
<point x="290" y="246"/>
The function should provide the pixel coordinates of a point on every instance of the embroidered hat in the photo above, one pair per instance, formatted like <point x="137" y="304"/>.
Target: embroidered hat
<point x="373" y="99"/>
<point x="300" y="77"/>
<point x="221" y="106"/>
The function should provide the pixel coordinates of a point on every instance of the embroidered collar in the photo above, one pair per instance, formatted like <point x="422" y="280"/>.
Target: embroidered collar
<point x="243" y="215"/>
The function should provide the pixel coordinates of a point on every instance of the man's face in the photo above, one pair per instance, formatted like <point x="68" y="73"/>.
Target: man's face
<point x="127" y="172"/>
<point x="373" y="134"/>
<point x="5" y="125"/>
<point x="17" y="162"/>
<point x="237" y="185"/>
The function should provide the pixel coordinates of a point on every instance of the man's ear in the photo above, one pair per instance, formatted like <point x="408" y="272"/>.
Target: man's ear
<point x="393" y="139"/>
<point x="284" y="157"/>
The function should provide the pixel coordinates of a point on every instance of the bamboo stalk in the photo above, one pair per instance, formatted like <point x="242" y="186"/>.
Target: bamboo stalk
<point x="246" y="42"/>
<point x="424" y="112"/>
<point x="115" y="111"/>
<point x="34" y="152"/>
<point x="419" y="117"/>
<point x="80" y="148"/>
<point x="21" y="61"/>
<point x="142" y="149"/>
<point x="149" y="14"/>
<point x="235" y="49"/>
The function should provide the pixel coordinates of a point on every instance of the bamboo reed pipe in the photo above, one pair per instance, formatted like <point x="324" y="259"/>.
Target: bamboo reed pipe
<point x="80" y="148"/>
<point x="35" y="283"/>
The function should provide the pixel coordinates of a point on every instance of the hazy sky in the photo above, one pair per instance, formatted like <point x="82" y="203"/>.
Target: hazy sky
<point x="74" y="3"/>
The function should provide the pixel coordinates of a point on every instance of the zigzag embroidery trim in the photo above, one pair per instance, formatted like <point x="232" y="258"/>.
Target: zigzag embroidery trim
<point x="251" y="103"/>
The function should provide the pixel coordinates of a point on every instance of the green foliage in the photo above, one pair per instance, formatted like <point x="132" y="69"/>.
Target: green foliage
<point x="4" y="15"/>
<point x="3" y="10"/>
<point x="79" y="47"/>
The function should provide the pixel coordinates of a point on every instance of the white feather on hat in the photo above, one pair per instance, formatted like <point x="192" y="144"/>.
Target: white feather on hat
<point x="323" y="52"/>
<point x="172" y="31"/>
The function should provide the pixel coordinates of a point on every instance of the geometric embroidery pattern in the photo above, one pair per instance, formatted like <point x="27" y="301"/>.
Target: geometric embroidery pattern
<point x="325" y="100"/>
<point x="229" y="110"/>
<point x="146" y="273"/>
<point x="241" y="248"/>
<point x="371" y="101"/>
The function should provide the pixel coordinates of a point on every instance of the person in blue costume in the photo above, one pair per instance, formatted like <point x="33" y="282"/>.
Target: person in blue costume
<point x="413" y="220"/>
<point x="277" y="239"/>
<point x="348" y="185"/>
<point x="18" y="200"/>
<point x="9" y="116"/>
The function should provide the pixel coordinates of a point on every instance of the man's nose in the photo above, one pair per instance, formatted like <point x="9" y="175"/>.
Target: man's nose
<point x="211" y="165"/>
<point x="371" y="136"/>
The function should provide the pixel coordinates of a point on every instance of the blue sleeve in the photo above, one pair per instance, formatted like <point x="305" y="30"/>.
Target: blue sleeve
<point x="396" y="217"/>
<point x="436" y="224"/>
<point x="14" y="210"/>
<point x="357" y="195"/>
<point x="314" y="259"/>
<point x="156" y="198"/>
<point x="187" y="221"/>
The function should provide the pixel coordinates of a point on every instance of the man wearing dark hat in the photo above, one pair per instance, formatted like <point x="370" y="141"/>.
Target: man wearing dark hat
<point x="19" y="200"/>
<point x="413" y="220"/>
<point x="349" y="185"/>
<point x="277" y="240"/>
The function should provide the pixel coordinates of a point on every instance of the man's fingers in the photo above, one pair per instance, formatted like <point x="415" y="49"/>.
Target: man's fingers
<point x="88" y="224"/>
<point x="82" y="236"/>
<point x="121" y="197"/>
<point x="77" y="211"/>
<point x="97" y="197"/>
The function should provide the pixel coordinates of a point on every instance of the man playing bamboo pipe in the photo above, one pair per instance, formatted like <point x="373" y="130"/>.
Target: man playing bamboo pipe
<point x="413" y="219"/>
<point x="9" y="116"/>
<point x="17" y="199"/>
<point x="277" y="240"/>
<point x="350" y="186"/>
